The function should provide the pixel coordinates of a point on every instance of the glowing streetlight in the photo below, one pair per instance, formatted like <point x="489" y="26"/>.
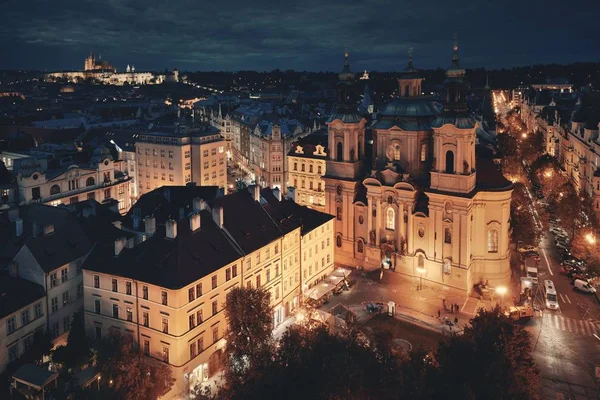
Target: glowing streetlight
<point x="548" y="173"/>
<point x="421" y="271"/>
<point x="590" y="239"/>
<point x="501" y="290"/>
<point x="524" y="135"/>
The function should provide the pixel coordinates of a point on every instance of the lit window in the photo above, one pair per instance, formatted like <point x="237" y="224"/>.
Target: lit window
<point x="492" y="241"/>
<point x="390" y="221"/>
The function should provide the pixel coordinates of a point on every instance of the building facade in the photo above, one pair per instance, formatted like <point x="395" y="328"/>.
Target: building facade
<point x="432" y="205"/>
<point x="307" y="166"/>
<point x="181" y="158"/>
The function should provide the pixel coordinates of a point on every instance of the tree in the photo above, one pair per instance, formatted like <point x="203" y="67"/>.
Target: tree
<point x="249" y="337"/>
<point x="77" y="350"/>
<point x="524" y="228"/>
<point x="133" y="375"/>
<point x="491" y="360"/>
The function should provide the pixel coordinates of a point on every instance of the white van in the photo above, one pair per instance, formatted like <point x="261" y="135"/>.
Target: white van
<point x="532" y="273"/>
<point x="584" y="286"/>
<point x="550" y="294"/>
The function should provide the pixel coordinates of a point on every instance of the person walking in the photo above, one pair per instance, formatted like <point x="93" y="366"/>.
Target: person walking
<point x="455" y="320"/>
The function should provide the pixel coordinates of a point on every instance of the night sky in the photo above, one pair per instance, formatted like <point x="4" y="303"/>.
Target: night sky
<point x="301" y="35"/>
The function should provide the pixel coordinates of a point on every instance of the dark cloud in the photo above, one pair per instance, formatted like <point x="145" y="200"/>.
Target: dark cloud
<point x="308" y="34"/>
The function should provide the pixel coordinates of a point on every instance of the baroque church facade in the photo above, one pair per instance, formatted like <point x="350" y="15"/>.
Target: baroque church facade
<point x="431" y="203"/>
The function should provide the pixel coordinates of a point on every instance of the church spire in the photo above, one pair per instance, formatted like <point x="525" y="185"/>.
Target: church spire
<point x="410" y="66"/>
<point x="455" y="57"/>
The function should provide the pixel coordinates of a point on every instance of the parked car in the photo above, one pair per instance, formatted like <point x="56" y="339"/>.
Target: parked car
<point x="527" y="248"/>
<point x="563" y="242"/>
<point x="374" y="307"/>
<point x="562" y="247"/>
<point x="584" y="286"/>
<point x="557" y="230"/>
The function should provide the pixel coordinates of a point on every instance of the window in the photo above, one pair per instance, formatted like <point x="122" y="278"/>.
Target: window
<point x="447" y="235"/>
<point x="65" y="298"/>
<point x="27" y="344"/>
<point x="234" y="271"/>
<point x="396" y="152"/>
<point x="165" y="354"/>
<point x="214" y="307"/>
<point x="192" y="321"/>
<point x="199" y="317"/>
<point x="11" y="325"/>
<point x="129" y="314"/>
<point x="165" y="325"/>
<point x="146" y="347"/>
<point x="295" y="166"/>
<point x="199" y="290"/>
<point x="492" y="241"/>
<point x="98" y="333"/>
<point x="73" y="184"/>
<point x="193" y="350"/>
<point x="115" y="311"/>
<point x="54" y="304"/>
<point x="115" y="287"/>
<point x="55" y="189"/>
<point x="228" y="274"/>
<point x="107" y="194"/>
<point x="340" y="152"/>
<point x="37" y="310"/>
<point x="449" y="162"/>
<point x="268" y="275"/>
<point x="53" y="280"/>
<point x="163" y="295"/>
<point x="200" y="345"/>
<point x="64" y="275"/>
<point x="390" y="221"/>
<point x="13" y="352"/>
<point x="90" y="181"/>
<point x="338" y="241"/>
<point x="66" y="324"/>
<point x="277" y="293"/>
<point x="145" y="292"/>
<point x="319" y="170"/>
<point x="257" y="281"/>
<point x="170" y="154"/>
<point x="91" y="196"/>
<point x="338" y="213"/>
<point x="215" y="334"/>
<point x="97" y="306"/>
<point x="360" y="248"/>
<point x="128" y="288"/>
<point x="423" y="152"/>
<point x="214" y="282"/>
<point x="146" y="318"/>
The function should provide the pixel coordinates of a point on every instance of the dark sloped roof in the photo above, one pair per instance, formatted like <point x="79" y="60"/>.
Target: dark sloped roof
<point x="65" y="244"/>
<point x="489" y="177"/>
<point x="169" y="263"/>
<point x="345" y="117"/>
<point x="246" y="221"/>
<point x="309" y="145"/>
<point x="16" y="293"/>
<point x="168" y="201"/>
<point x="460" y="120"/>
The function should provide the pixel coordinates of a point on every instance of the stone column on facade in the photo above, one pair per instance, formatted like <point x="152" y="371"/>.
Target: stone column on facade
<point x="410" y="248"/>
<point x="369" y="218"/>
<point x="400" y="236"/>
<point x="377" y="222"/>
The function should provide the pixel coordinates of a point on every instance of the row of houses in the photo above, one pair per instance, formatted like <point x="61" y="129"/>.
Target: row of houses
<point x="161" y="272"/>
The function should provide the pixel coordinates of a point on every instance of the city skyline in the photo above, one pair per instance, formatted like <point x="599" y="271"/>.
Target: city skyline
<point x="264" y="36"/>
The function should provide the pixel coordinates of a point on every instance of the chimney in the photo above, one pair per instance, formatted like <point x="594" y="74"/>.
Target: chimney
<point x="277" y="193"/>
<point x="19" y="227"/>
<point x="48" y="229"/>
<point x="217" y="214"/>
<point x="256" y="193"/>
<point x="150" y="225"/>
<point x="120" y="244"/>
<point x="137" y="218"/>
<point x="197" y="204"/>
<point x="194" y="222"/>
<point x="171" y="226"/>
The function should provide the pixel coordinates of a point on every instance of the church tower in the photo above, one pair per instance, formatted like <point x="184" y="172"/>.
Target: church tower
<point x="346" y="130"/>
<point x="453" y="167"/>
<point x="409" y="83"/>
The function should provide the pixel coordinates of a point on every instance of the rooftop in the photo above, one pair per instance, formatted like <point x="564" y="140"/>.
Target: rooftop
<point x="16" y="293"/>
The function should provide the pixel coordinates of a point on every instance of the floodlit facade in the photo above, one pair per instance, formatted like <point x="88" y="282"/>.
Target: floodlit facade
<point x="434" y="205"/>
<point x="180" y="158"/>
<point x="307" y="166"/>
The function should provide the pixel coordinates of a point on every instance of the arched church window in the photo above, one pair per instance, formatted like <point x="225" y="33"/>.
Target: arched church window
<point x="340" y="152"/>
<point x="423" y="152"/>
<point x="449" y="162"/>
<point x="360" y="246"/>
<point x="447" y="235"/>
<point x="396" y="152"/>
<point x="390" y="199"/>
<point x="361" y="219"/>
<point x="339" y="213"/>
<point x="493" y="241"/>
<point x="90" y="181"/>
<point x="55" y="189"/>
<point x="390" y="221"/>
<point x="338" y="241"/>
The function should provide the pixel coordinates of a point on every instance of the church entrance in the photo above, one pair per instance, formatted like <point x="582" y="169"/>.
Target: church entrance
<point x="388" y="256"/>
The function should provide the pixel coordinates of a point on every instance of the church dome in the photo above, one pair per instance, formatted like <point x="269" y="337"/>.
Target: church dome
<point x="100" y="154"/>
<point x="411" y="107"/>
<point x="459" y="120"/>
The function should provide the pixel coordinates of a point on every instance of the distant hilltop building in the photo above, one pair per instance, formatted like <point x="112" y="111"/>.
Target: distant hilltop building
<point x="103" y="72"/>
<point x="96" y="64"/>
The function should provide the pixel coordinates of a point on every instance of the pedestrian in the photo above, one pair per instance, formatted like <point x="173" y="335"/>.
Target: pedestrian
<point x="455" y="320"/>
<point x="457" y="308"/>
<point x="439" y="314"/>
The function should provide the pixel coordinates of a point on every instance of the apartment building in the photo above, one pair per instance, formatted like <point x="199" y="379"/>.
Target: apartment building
<point x="164" y="279"/>
<point x="180" y="157"/>
<point x="101" y="179"/>
<point x="22" y="314"/>
<point x="307" y="165"/>
<point x="47" y="246"/>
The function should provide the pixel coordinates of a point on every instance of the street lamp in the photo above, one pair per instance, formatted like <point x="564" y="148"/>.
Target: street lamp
<point x="421" y="271"/>
<point x="590" y="239"/>
<point x="501" y="290"/>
